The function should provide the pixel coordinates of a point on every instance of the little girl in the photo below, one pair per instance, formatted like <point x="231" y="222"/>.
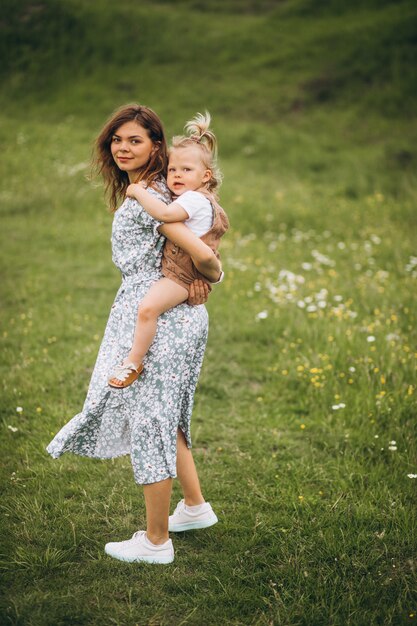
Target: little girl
<point x="193" y="178"/>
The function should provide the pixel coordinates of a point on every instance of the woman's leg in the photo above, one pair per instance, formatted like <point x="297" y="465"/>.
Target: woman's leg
<point x="162" y="296"/>
<point x="157" y="500"/>
<point x="187" y="472"/>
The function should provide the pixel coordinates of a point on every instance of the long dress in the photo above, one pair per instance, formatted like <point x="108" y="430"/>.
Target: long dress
<point x="141" y="420"/>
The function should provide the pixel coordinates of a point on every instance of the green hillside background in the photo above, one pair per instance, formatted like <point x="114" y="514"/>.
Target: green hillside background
<point x="304" y="427"/>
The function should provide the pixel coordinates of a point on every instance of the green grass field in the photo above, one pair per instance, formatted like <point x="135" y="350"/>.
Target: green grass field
<point x="304" y="426"/>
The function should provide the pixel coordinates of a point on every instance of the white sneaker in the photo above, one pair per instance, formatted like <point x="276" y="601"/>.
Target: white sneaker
<point x="138" y="548"/>
<point x="184" y="519"/>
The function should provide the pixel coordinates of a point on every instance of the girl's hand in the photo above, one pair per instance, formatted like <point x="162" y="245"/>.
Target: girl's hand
<point x="130" y="191"/>
<point x="134" y="189"/>
<point x="198" y="293"/>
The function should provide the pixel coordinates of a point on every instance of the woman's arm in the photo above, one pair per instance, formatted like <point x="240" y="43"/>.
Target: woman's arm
<point x="157" y="208"/>
<point x="203" y="257"/>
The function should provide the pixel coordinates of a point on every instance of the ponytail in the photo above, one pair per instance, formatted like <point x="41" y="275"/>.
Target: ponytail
<point x="198" y="130"/>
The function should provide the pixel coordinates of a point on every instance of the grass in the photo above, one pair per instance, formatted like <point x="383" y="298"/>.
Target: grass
<point x="310" y="368"/>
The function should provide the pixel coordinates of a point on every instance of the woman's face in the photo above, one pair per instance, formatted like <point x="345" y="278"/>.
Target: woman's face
<point x="131" y="148"/>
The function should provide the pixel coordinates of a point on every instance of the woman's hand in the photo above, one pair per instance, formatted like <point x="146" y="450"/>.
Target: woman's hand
<point x="198" y="293"/>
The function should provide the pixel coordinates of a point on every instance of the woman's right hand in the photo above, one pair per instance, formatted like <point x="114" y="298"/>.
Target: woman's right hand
<point x="198" y="293"/>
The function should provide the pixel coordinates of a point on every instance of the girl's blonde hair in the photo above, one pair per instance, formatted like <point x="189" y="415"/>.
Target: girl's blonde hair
<point x="199" y="134"/>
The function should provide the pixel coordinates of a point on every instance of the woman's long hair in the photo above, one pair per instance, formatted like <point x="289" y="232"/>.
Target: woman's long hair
<point x="116" y="180"/>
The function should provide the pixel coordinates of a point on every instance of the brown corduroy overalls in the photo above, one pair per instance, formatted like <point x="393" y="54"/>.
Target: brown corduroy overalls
<point x="177" y="264"/>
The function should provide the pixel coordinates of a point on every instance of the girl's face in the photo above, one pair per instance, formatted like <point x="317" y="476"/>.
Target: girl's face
<point x="186" y="170"/>
<point x="131" y="148"/>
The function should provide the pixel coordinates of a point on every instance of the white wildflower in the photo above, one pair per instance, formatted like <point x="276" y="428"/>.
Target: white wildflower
<point x="411" y="265"/>
<point x="322" y="294"/>
<point x="370" y="339"/>
<point x="19" y="409"/>
<point x="262" y="315"/>
<point x="412" y="475"/>
<point x="13" y="429"/>
<point x="322" y="258"/>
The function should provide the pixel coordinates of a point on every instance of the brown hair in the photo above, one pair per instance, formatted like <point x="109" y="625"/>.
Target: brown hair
<point x="199" y="134"/>
<point x="117" y="181"/>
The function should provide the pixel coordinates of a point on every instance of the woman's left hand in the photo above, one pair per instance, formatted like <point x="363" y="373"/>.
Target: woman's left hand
<point x="198" y="293"/>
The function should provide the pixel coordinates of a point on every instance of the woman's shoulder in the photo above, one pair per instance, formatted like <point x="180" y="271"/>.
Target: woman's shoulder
<point x="159" y="188"/>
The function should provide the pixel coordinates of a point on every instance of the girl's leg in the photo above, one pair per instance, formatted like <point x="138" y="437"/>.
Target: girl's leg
<point x="187" y="473"/>
<point x="157" y="500"/>
<point x="162" y="296"/>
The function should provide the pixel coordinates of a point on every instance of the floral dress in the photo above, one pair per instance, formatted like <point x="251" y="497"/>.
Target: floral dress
<point x="142" y="419"/>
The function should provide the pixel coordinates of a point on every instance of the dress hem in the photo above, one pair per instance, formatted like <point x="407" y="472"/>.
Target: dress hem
<point x="56" y="455"/>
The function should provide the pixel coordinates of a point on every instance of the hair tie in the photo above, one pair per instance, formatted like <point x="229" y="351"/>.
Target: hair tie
<point x="196" y="138"/>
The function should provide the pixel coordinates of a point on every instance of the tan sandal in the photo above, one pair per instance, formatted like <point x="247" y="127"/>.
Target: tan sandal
<point x="125" y="375"/>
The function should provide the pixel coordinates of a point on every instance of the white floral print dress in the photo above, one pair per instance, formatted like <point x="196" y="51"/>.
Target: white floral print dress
<point x="140" y="420"/>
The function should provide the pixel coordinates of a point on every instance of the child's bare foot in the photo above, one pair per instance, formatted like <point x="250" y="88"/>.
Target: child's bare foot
<point x="124" y="375"/>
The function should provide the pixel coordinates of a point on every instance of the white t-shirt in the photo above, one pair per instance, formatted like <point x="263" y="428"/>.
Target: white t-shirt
<point x="199" y="210"/>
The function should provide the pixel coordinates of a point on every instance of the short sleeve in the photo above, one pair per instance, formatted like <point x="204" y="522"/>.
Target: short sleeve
<point x="195" y="204"/>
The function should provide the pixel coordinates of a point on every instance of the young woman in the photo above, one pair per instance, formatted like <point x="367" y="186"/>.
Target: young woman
<point x="151" y="419"/>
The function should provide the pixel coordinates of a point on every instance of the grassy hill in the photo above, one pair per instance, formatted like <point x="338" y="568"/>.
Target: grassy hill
<point x="310" y="369"/>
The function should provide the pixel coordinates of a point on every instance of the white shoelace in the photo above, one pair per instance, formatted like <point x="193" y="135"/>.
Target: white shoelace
<point x="180" y="507"/>
<point x="138" y="534"/>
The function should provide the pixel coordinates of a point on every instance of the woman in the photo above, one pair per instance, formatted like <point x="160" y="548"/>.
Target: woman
<point x="150" y="420"/>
